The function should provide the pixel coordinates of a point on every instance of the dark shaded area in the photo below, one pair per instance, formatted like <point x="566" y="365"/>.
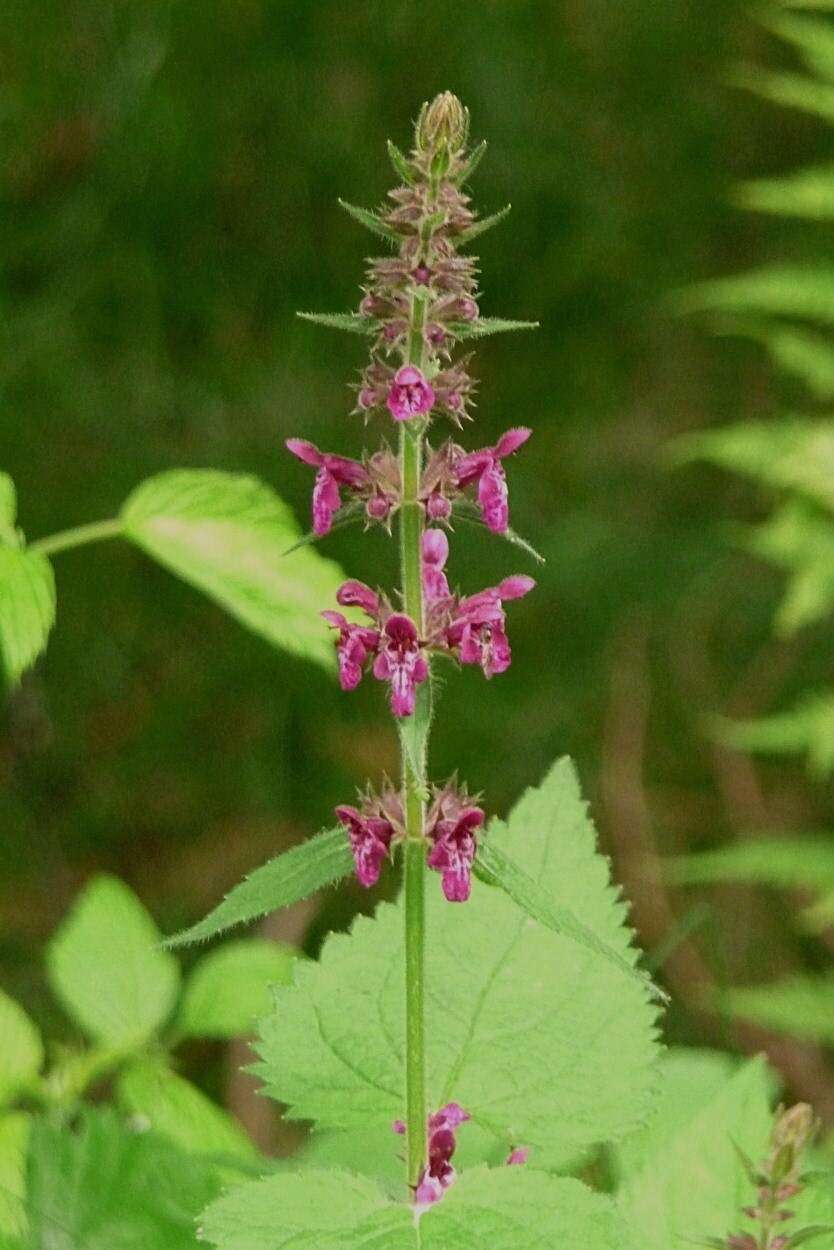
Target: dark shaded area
<point x="169" y="200"/>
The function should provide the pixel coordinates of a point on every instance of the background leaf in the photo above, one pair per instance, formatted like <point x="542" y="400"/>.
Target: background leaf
<point x="228" y="990"/>
<point x="27" y="609"/>
<point x="105" y="966"/>
<point x="801" y="1006"/>
<point x="682" y="1177"/>
<point x="508" y="1001"/>
<point x="227" y="535"/>
<point x="803" y="861"/>
<point x="286" y="879"/>
<point x="180" y="1112"/>
<point x="15" y="1127"/>
<point x="21" y="1049"/>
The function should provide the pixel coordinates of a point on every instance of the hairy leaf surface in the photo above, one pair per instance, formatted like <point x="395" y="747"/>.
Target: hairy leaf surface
<point x="227" y="535"/>
<point x="507" y="1209"/>
<point x="105" y="966"/>
<point x="521" y="1022"/>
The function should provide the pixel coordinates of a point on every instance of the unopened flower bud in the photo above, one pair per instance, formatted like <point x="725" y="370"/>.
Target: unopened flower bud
<point x="794" y="1128"/>
<point x="435" y="334"/>
<point x="444" y="121"/>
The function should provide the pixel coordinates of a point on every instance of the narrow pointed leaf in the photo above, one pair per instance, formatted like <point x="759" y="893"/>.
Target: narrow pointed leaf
<point x="371" y="222"/>
<point x="226" y="534"/>
<point x="480" y="227"/>
<point x="472" y="164"/>
<point x="287" y="879"/>
<point x="401" y="163"/>
<point x="347" y="515"/>
<point x="465" y="510"/>
<point x="354" y="323"/>
<point x="808" y="1234"/>
<point x="414" y="730"/>
<point x="498" y="869"/>
<point x="488" y="325"/>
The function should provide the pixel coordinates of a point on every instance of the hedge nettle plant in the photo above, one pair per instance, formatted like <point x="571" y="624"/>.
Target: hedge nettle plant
<point x="465" y="1054"/>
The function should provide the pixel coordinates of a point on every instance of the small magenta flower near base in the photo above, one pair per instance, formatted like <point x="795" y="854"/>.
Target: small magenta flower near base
<point x="518" y="1157"/>
<point x="370" y="841"/>
<point x="410" y="395"/>
<point x="333" y="472"/>
<point x="438" y="1173"/>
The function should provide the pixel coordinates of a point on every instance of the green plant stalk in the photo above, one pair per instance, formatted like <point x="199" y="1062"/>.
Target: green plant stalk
<point x="94" y="532"/>
<point x="411" y="536"/>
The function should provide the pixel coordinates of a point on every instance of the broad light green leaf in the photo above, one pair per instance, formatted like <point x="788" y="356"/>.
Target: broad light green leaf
<point x="103" y="1187"/>
<point x="352" y="322"/>
<point x="27" y="609"/>
<point x="521" y="1022"/>
<point x="500" y="870"/>
<point x="789" y="863"/>
<point x="295" y="875"/>
<point x="228" y="990"/>
<point x="372" y="222"/>
<point x="507" y="1209"/>
<point x="14" y="1141"/>
<point x="481" y="226"/>
<point x="488" y="325"/>
<point x="802" y="1006"/>
<point x="782" y="290"/>
<point x="808" y="193"/>
<point x="688" y="1182"/>
<point x="179" y="1111"/>
<point x="227" y="534"/>
<point x="807" y="729"/>
<point x="21" y="1049"/>
<point x="105" y="967"/>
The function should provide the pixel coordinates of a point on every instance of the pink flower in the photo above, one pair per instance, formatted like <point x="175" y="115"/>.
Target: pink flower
<point x="353" y="646"/>
<point x="333" y="472"/>
<point x="454" y="850"/>
<point x="409" y="395"/>
<point x="400" y="660"/>
<point x="438" y="1173"/>
<point x="355" y="594"/>
<point x="370" y="841"/>
<point x="518" y="1156"/>
<point x="485" y="468"/>
<point x="435" y="555"/>
<point x="478" y="625"/>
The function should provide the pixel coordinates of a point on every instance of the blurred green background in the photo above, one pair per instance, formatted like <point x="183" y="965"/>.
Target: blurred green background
<point x="169" y="186"/>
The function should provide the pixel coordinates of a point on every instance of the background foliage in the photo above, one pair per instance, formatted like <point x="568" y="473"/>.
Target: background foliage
<point x="169" y="199"/>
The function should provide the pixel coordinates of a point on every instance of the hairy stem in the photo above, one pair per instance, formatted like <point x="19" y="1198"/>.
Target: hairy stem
<point x="411" y="534"/>
<point x="77" y="537"/>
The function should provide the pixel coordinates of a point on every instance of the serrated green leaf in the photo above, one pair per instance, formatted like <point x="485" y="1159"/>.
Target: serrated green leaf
<point x="102" y="1187"/>
<point x="508" y="1000"/>
<point x="506" y="1209"/>
<point x="372" y="222"/>
<point x="809" y="193"/>
<point x="481" y="226"/>
<point x="789" y="863"/>
<point x="21" y="1049"/>
<point x="105" y="967"/>
<point x="15" y="1127"/>
<point x="807" y="729"/>
<point x="689" y="1182"/>
<point x="488" y="325"/>
<point x="176" y="1109"/>
<point x="227" y="534"/>
<point x="500" y="870"/>
<point x="228" y="990"/>
<point x="801" y="1006"/>
<point x="27" y="609"/>
<point x="401" y="163"/>
<point x="354" y="323"/>
<point x="789" y="90"/>
<point x="287" y="879"/>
